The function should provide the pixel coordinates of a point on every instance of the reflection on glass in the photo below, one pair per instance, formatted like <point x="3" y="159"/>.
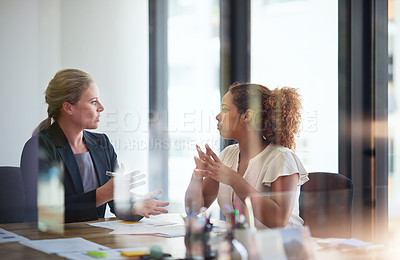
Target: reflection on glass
<point x="393" y="122"/>
<point x="294" y="43"/>
<point x="193" y="91"/>
<point x="51" y="200"/>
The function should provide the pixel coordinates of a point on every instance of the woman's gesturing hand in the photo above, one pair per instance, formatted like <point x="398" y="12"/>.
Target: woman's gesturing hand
<point x="209" y="165"/>
<point x="147" y="205"/>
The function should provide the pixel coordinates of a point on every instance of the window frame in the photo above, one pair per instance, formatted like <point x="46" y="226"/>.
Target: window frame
<point x="363" y="113"/>
<point x="158" y="96"/>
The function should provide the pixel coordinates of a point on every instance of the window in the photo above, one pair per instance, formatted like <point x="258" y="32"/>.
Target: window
<point x="193" y="88"/>
<point x="295" y="44"/>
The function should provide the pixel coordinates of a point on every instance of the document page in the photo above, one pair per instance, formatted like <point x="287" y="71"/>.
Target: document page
<point x="155" y="225"/>
<point x="63" y="245"/>
<point x="6" y="236"/>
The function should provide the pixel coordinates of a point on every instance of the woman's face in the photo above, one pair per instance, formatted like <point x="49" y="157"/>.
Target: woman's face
<point x="86" y="112"/>
<point x="228" y="118"/>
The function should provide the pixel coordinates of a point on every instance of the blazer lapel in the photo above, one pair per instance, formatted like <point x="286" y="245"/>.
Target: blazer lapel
<point x="72" y="166"/>
<point x="67" y="156"/>
<point x="98" y="157"/>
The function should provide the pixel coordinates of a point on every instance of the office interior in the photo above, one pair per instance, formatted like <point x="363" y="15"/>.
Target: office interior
<point x="162" y="67"/>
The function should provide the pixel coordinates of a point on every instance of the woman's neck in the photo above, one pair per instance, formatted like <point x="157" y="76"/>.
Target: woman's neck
<point x="251" y="145"/>
<point x="74" y="137"/>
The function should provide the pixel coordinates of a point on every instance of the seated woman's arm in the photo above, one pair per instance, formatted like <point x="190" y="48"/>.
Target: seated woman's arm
<point x="105" y="193"/>
<point x="201" y="191"/>
<point x="274" y="210"/>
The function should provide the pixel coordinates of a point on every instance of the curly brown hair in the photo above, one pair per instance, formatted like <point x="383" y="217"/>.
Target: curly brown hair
<point x="277" y="112"/>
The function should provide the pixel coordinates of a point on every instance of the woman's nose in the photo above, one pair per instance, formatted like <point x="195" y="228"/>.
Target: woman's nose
<point x="100" y="107"/>
<point x="218" y="117"/>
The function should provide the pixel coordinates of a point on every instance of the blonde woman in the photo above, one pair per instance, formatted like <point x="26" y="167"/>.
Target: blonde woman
<point x="73" y="106"/>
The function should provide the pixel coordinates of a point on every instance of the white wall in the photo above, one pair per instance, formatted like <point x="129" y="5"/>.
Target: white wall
<point x="107" y="39"/>
<point x="18" y="76"/>
<point x="49" y="44"/>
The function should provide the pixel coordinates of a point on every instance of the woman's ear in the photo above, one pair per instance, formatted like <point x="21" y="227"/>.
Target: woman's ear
<point x="67" y="108"/>
<point x="248" y="115"/>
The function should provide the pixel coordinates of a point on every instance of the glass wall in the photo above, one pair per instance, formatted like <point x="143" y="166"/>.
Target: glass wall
<point x="193" y="90"/>
<point x="109" y="40"/>
<point x="295" y="43"/>
<point x="394" y="121"/>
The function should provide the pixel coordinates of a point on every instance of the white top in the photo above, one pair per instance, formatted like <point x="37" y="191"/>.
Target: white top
<point x="263" y="169"/>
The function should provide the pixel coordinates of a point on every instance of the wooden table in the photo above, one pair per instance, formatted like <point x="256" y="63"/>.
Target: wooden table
<point x="174" y="246"/>
<point x="14" y="250"/>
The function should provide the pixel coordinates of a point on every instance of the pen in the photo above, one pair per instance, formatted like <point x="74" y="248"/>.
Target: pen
<point x="111" y="174"/>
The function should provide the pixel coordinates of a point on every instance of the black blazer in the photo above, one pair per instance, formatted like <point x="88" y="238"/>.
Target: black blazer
<point x="54" y="149"/>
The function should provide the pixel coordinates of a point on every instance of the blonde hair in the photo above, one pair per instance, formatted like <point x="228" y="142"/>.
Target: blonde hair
<point x="67" y="86"/>
<point x="278" y="111"/>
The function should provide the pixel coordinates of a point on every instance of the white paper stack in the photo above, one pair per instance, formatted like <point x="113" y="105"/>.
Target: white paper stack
<point x="6" y="236"/>
<point x="156" y="225"/>
<point x="63" y="245"/>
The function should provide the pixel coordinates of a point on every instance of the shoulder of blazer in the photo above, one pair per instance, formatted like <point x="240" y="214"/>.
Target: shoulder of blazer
<point x="95" y="139"/>
<point x="54" y="135"/>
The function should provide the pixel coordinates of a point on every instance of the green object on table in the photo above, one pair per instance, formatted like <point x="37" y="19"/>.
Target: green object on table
<point x="97" y="254"/>
<point x="156" y="252"/>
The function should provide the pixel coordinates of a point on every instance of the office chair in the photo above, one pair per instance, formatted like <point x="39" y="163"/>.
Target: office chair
<point x="326" y="203"/>
<point x="12" y="195"/>
<point x="29" y="169"/>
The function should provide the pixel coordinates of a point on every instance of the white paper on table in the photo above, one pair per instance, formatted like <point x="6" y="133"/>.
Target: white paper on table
<point x="176" y="230"/>
<point x="62" y="245"/>
<point x="329" y="242"/>
<point x="353" y="243"/>
<point x="155" y="225"/>
<point x="343" y="243"/>
<point x="112" y="254"/>
<point x="7" y="236"/>
<point x="150" y="221"/>
<point x="106" y="224"/>
<point x="116" y="223"/>
<point x="143" y="222"/>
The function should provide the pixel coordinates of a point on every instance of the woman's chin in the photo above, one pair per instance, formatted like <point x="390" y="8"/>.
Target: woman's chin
<point x="93" y="126"/>
<point x="224" y="135"/>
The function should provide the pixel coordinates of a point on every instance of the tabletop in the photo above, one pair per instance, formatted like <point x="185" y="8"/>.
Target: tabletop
<point x="175" y="245"/>
<point x="14" y="250"/>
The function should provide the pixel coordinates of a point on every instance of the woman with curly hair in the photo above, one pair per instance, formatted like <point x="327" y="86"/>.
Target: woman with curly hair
<point x="262" y="165"/>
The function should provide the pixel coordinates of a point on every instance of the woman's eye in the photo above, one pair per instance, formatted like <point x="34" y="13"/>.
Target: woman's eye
<point x="94" y="102"/>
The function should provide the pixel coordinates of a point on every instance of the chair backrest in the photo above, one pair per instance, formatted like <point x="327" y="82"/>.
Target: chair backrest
<point x="29" y="168"/>
<point x="326" y="203"/>
<point x="12" y="195"/>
